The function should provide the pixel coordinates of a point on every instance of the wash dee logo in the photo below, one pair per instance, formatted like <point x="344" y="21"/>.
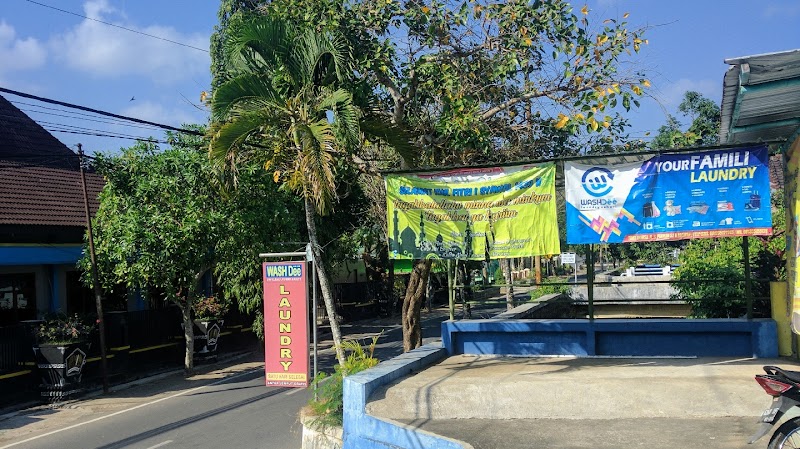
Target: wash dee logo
<point x="597" y="181"/>
<point x="286" y="324"/>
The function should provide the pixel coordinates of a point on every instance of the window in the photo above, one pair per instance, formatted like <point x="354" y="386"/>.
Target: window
<point x="17" y="297"/>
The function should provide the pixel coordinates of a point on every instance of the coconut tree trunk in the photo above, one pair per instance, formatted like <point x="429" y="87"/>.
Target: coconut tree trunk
<point x="324" y="282"/>
<point x="412" y="304"/>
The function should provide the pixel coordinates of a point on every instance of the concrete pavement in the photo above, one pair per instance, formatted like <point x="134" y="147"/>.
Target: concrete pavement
<point x="504" y="402"/>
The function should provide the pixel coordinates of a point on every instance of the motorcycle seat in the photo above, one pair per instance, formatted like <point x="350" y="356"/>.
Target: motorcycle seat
<point x="793" y="376"/>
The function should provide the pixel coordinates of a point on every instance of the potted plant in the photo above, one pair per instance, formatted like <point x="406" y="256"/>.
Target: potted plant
<point x="62" y="344"/>
<point x="208" y="322"/>
<point x="323" y="416"/>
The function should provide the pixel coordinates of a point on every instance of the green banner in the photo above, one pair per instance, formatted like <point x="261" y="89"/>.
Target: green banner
<point x="473" y="214"/>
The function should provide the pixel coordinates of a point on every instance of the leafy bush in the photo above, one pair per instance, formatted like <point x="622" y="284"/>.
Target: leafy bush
<point x="210" y="307"/>
<point x="499" y="276"/>
<point x="543" y="290"/>
<point x="327" y="409"/>
<point x="63" y="329"/>
<point x="711" y="276"/>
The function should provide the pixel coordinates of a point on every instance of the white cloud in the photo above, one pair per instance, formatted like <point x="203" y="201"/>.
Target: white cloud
<point x="19" y="54"/>
<point x="154" y="112"/>
<point x="782" y="10"/>
<point x="672" y="94"/>
<point x="104" y="51"/>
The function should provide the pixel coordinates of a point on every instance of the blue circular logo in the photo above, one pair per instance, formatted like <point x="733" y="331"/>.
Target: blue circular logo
<point x="597" y="181"/>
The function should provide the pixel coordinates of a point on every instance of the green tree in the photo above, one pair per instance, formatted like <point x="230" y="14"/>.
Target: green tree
<point x="258" y="218"/>
<point x="227" y="10"/>
<point x="711" y="271"/>
<point x="703" y="130"/>
<point x="157" y="226"/>
<point x="285" y="105"/>
<point x="162" y="225"/>
<point x="480" y="81"/>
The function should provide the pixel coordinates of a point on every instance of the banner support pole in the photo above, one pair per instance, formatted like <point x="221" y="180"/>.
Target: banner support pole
<point x="451" y="297"/>
<point x="590" y="279"/>
<point x="748" y="290"/>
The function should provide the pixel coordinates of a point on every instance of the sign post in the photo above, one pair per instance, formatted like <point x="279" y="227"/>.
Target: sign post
<point x="286" y="324"/>
<point x="570" y="258"/>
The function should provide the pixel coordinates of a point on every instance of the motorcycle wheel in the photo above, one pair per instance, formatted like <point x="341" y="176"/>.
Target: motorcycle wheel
<point x="787" y="436"/>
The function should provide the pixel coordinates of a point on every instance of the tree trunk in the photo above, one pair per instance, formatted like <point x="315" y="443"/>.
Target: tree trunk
<point x="188" y="335"/>
<point x="324" y="282"/>
<point x="412" y="304"/>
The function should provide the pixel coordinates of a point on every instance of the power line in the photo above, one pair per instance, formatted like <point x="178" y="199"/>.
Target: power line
<point x="105" y="122"/>
<point x="75" y="115"/>
<point x="99" y="112"/>
<point x="84" y="133"/>
<point x="117" y="26"/>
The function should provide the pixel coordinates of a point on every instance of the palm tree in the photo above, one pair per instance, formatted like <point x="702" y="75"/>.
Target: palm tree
<point x="286" y="107"/>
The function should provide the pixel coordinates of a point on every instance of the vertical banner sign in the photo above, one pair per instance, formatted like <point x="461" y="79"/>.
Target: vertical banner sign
<point x="473" y="214"/>
<point x="793" y="233"/>
<point x="710" y="194"/>
<point x="286" y="324"/>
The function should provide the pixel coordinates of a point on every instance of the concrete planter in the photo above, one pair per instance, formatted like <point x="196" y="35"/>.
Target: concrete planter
<point x="206" y="336"/>
<point x="60" y="367"/>
<point x="314" y="438"/>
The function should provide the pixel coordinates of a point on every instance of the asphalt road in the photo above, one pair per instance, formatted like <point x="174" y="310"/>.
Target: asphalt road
<point x="226" y="406"/>
<point x="235" y="411"/>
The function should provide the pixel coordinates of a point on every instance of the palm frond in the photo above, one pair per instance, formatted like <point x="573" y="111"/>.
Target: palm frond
<point x="227" y="138"/>
<point x="346" y="118"/>
<point x="247" y="91"/>
<point x="257" y="41"/>
<point x="394" y="135"/>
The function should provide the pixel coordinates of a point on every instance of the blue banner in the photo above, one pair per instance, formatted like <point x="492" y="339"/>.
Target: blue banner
<point x="720" y="193"/>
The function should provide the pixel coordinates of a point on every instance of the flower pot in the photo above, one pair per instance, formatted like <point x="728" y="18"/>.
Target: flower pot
<point x="206" y="336"/>
<point x="315" y="437"/>
<point x="60" y="367"/>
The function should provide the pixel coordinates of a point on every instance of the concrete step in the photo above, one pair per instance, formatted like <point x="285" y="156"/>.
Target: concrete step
<point x="488" y="387"/>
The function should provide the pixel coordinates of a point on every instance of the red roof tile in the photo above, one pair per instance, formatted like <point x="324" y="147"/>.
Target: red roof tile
<point x="40" y="180"/>
<point x="45" y="196"/>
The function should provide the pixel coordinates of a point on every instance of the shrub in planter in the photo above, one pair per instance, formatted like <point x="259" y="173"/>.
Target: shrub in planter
<point x="326" y="410"/>
<point x="62" y="343"/>
<point x="208" y="322"/>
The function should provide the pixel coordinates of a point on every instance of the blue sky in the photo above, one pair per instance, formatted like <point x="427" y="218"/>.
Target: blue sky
<point x="61" y="56"/>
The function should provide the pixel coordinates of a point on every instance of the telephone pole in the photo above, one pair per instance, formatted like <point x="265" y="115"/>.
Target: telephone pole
<point x="95" y="281"/>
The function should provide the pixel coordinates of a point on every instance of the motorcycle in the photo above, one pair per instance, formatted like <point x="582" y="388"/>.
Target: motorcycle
<point x="784" y="387"/>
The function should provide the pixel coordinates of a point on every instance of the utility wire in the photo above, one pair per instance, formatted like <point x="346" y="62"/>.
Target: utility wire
<point x="99" y="112"/>
<point x="86" y="133"/>
<point x="117" y="26"/>
<point x="79" y="116"/>
<point x="112" y="123"/>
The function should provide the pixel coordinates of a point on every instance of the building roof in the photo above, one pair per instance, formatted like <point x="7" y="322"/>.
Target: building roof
<point x="40" y="179"/>
<point x="24" y="141"/>
<point x="761" y="98"/>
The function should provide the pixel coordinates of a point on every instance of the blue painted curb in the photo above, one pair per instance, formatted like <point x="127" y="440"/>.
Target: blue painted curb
<point x="362" y="431"/>
<point x="613" y="337"/>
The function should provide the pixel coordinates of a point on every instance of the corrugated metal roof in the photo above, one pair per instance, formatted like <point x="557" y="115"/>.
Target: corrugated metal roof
<point x="761" y="98"/>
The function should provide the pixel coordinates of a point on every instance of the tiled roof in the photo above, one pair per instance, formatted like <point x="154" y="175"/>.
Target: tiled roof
<point x="40" y="180"/>
<point x="45" y="196"/>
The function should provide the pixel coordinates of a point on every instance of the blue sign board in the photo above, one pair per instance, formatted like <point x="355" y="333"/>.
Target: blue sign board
<point x="720" y="193"/>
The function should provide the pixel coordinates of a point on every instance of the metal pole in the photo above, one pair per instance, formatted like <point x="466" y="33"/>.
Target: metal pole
<point x="450" y="291"/>
<point x="95" y="280"/>
<point x="590" y="279"/>
<point x="314" y="314"/>
<point x="748" y="290"/>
